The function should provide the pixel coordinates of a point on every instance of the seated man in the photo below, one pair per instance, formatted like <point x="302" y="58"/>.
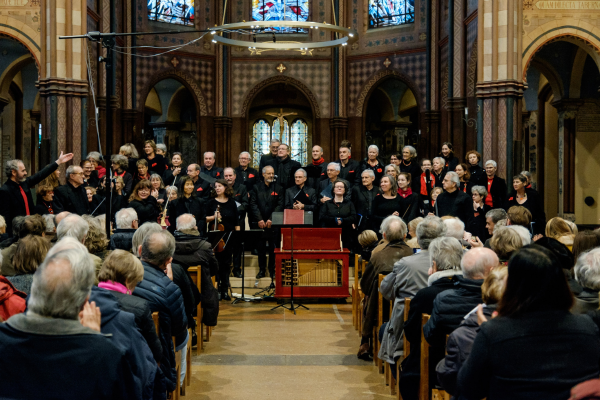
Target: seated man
<point x="76" y="227"/>
<point x="58" y="340"/>
<point x="409" y="275"/>
<point x="127" y="223"/>
<point x="191" y="250"/>
<point x="164" y="296"/>
<point x="394" y="231"/>
<point x="445" y="254"/>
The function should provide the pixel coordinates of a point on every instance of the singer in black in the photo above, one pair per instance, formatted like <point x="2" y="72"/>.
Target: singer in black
<point x="120" y="164"/>
<point x="477" y="173"/>
<point x="465" y="178"/>
<point x="317" y="170"/>
<point x="187" y="202"/>
<point x="221" y="209"/>
<point x="266" y="198"/>
<point x="363" y="197"/>
<point x="373" y="163"/>
<point x="438" y="171"/>
<point x="386" y="203"/>
<point x="452" y="201"/>
<point x="477" y="222"/>
<point x="143" y="203"/>
<point x="411" y="165"/>
<point x="340" y="213"/>
<point x="408" y="199"/>
<point x="450" y="161"/>
<point x="242" y="199"/>
<point x="285" y="167"/>
<point x="176" y="170"/>
<point x="156" y="162"/>
<point x="245" y="174"/>
<point x="72" y="196"/>
<point x="300" y="196"/>
<point x="530" y="199"/>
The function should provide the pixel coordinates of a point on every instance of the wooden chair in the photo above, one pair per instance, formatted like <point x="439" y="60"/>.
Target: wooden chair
<point x="196" y="275"/>
<point x="389" y="377"/>
<point x="424" y="392"/>
<point x="175" y="394"/>
<point x="381" y="310"/>
<point x="188" y="363"/>
<point x="361" y="297"/>
<point x="405" y="346"/>
<point x="355" y="299"/>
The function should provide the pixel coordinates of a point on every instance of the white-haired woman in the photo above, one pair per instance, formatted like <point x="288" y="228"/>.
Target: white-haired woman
<point x="373" y="163"/>
<point x="409" y="164"/>
<point x="476" y="225"/>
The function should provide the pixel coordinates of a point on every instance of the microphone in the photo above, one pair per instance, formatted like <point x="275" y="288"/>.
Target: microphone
<point x="427" y="175"/>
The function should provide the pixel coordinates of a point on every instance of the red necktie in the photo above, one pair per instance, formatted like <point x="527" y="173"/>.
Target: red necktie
<point x="25" y="199"/>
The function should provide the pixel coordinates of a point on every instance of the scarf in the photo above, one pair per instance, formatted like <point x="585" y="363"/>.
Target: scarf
<point x="405" y="193"/>
<point x="114" y="286"/>
<point x="318" y="162"/>
<point x="424" y="183"/>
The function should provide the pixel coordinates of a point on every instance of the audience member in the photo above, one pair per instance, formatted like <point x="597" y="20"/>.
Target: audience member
<point x="558" y="228"/>
<point x="565" y="258"/>
<point x="455" y="228"/>
<point x="30" y="253"/>
<point x="519" y="215"/>
<point x="523" y="232"/>
<point x="409" y="275"/>
<point x="445" y="254"/>
<point x="413" y="243"/>
<point x="585" y="241"/>
<point x="515" y="355"/>
<point x="460" y="341"/>
<point x="505" y="242"/>
<point x="15" y="194"/>
<point x="367" y="241"/>
<point x="95" y="240"/>
<point x="31" y="225"/>
<point x="76" y="227"/>
<point x="61" y="329"/>
<point x="127" y="223"/>
<point x="587" y="273"/>
<point x="394" y="231"/>
<point x="164" y="296"/>
<point x="3" y="234"/>
<point x="50" y="224"/>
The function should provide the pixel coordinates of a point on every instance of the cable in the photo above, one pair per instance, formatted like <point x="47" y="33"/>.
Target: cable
<point x="160" y="54"/>
<point x="91" y="83"/>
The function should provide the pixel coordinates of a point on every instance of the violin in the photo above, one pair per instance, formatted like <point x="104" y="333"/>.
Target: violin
<point x="163" y="218"/>
<point x="219" y="227"/>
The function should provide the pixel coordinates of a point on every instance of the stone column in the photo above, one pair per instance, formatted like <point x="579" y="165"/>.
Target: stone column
<point x="499" y="80"/>
<point x="222" y="140"/>
<point x="63" y="82"/>
<point x="338" y="131"/>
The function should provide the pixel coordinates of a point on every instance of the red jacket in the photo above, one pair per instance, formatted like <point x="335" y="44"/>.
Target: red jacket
<point x="12" y="301"/>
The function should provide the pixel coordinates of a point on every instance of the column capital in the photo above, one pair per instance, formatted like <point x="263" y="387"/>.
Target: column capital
<point x="62" y="87"/>
<point x="338" y="122"/>
<point x="500" y="89"/>
<point x="567" y="108"/>
<point x="223" y="122"/>
<point x="457" y="103"/>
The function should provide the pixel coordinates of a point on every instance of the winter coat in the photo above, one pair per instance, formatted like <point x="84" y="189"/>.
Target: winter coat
<point x="585" y="301"/>
<point x="164" y="296"/>
<point x="449" y="309"/>
<point x="21" y="282"/>
<point x="406" y="279"/>
<point x="12" y="301"/>
<point x="121" y="325"/>
<point x="67" y="359"/>
<point x="122" y="239"/>
<point x="538" y="355"/>
<point x="458" y="348"/>
<point x="11" y="199"/>
<point x="381" y="263"/>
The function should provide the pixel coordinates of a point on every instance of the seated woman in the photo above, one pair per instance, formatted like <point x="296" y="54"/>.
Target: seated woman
<point x="120" y="273"/>
<point x="587" y="273"/>
<point x="367" y="241"/>
<point x="460" y="342"/>
<point x="143" y="203"/>
<point x="559" y="229"/>
<point x="412" y="232"/>
<point x="95" y="240"/>
<point x="476" y="224"/>
<point x="535" y="348"/>
<point x="340" y="213"/>
<point x="30" y="253"/>
<point x="584" y="241"/>
<point x="505" y="242"/>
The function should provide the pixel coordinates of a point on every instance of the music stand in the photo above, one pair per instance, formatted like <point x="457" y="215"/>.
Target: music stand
<point x="277" y="219"/>
<point x="250" y="236"/>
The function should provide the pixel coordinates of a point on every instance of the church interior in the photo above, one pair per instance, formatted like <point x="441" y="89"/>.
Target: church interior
<point x="517" y="81"/>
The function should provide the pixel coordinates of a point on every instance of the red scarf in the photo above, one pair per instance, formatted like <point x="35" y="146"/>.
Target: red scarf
<point x="319" y="161"/>
<point x="424" y="183"/>
<point x="122" y="175"/>
<point x="405" y="193"/>
<point x="488" y="198"/>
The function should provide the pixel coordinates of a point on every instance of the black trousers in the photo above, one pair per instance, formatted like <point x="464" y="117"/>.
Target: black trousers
<point x="224" y="260"/>
<point x="266" y="246"/>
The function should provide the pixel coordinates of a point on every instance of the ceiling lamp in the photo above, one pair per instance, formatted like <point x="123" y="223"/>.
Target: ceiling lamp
<point x="343" y="35"/>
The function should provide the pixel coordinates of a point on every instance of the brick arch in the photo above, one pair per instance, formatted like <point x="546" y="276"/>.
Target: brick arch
<point x="585" y="36"/>
<point x="25" y="35"/>
<point x="281" y="79"/>
<point x="185" y="79"/>
<point x="374" y="81"/>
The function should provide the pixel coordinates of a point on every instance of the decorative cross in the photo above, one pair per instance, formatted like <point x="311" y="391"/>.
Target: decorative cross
<point x="281" y="68"/>
<point x="387" y="62"/>
<point x="279" y="116"/>
<point x="175" y="62"/>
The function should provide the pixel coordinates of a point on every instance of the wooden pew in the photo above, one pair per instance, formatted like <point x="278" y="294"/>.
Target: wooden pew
<point x="424" y="392"/>
<point x="196" y="275"/>
<point x="176" y="393"/>
<point x="405" y="346"/>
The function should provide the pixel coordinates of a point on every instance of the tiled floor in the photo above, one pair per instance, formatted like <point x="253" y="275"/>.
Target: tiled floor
<point x="256" y="353"/>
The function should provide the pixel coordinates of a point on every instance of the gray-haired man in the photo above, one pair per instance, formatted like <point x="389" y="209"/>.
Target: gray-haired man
<point x="454" y="202"/>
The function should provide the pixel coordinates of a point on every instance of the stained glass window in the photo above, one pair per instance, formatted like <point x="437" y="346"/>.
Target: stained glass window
<point x="298" y="144"/>
<point x="280" y="10"/>
<point x="285" y="138"/>
<point x="261" y="139"/>
<point x="391" y="12"/>
<point x="171" y="11"/>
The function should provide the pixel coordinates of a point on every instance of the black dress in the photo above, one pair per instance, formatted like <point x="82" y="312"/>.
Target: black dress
<point x="534" y="205"/>
<point x="331" y="211"/>
<point x="229" y="220"/>
<point x="409" y="207"/>
<point x="478" y="176"/>
<point x="188" y="205"/>
<point x="383" y="208"/>
<point x="476" y="225"/>
<point x="147" y="210"/>
<point x="157" y="165"/>
<point x="415" y="172"/>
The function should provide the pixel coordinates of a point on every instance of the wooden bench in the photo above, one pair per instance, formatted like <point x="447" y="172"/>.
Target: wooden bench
<point x="424" y="392"/>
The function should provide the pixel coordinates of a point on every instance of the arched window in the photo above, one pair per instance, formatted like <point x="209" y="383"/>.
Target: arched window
<point x="261" y="138"/>
<point x="391" y="12"/>
<point x="181" y="12"/>
<point x="299" y="142"/>
<point x="280" y="10"/>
